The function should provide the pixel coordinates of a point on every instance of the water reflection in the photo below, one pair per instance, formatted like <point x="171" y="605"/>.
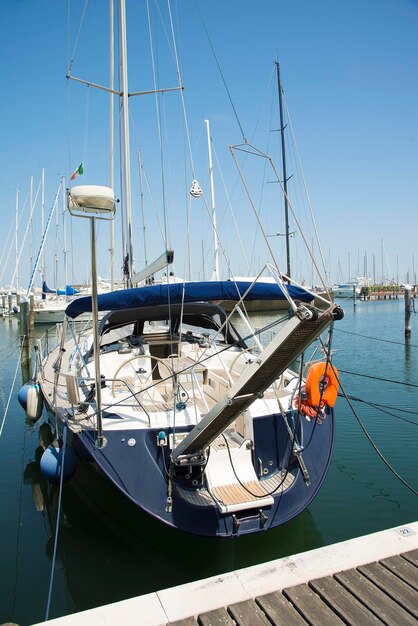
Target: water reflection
<point x="108" y="550"/>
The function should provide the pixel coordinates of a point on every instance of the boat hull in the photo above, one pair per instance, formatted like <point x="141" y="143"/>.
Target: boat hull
<point x="129" y="455"/>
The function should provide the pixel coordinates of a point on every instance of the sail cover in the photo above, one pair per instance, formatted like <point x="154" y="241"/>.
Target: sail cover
<point x="206" y="291"/>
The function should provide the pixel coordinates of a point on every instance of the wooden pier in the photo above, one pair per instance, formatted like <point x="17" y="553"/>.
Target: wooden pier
<point x="381" y="592"/>
<point x="367" y="580"/>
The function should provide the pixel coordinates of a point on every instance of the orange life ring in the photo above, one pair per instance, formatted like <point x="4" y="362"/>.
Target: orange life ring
<point x="321" y="384"/>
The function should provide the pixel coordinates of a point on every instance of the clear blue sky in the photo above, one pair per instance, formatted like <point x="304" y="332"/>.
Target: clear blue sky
<point x="350" y="76"/>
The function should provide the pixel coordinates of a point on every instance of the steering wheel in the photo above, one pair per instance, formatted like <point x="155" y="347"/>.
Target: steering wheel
<point x="146" y="382"/>
<point x="237" y="357"/>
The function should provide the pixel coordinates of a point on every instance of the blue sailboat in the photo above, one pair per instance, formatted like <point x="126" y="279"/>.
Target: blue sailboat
<point x="207" y="429"/>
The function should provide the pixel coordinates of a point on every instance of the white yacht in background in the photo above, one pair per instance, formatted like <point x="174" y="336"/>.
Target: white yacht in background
<point x="346" y="290"/>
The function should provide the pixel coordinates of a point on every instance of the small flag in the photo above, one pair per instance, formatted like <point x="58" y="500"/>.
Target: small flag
<point x="78" y="172"/>
<point x="196" y="190"/>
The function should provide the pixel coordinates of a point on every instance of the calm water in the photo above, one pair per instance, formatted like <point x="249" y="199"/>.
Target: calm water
<point x="108" y="551"/>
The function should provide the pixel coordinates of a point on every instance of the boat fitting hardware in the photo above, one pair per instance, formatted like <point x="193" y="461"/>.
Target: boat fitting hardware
<point x="197" y="459"/>
<point x="238" y="520"/>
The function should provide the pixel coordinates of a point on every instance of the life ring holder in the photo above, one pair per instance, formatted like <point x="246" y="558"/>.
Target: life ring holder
<point x="321" y="384"/>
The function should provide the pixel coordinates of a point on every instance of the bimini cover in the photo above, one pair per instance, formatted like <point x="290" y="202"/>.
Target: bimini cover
<point x="209" y="291"/>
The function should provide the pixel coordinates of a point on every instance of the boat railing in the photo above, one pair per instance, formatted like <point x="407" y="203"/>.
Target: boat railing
<point x="49" y="341"/>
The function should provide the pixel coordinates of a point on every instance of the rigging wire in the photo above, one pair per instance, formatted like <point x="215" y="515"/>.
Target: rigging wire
<point x="306" y="192"/>
<point x="220" y="71"/>
<point x="264" y="168"/>
<point x="229" y="204"/>
<point x="71" y="61"/>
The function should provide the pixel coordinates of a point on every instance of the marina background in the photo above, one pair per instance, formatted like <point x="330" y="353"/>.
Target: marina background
<point x="106" y="557"/>
<point x="350" y="78"/>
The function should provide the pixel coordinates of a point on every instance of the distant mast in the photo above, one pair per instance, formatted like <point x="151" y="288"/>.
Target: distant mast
<point x="111" y="138"/>
<point x="286" y="204"/>
<point x="216" y="273"/>
<point x="125" y="149"/>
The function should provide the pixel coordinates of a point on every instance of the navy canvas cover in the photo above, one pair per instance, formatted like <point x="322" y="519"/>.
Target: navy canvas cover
<point x="204" y="291"/>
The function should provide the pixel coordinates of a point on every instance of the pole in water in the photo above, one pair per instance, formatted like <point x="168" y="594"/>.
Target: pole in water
<point x="354" y="295"/>
<point x="31" y="312"/>
<point x="24" y="332"/>
<point x="408" y="329"/>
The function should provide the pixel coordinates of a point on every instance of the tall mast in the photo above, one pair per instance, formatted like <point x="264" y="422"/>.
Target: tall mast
<point x="64" y="231"/>
<point x="56" y="247"/>
<point x="31" y="221"/>
<point x="212" y="198"/>
<point x="111" y="139"/>
<point x="43" y="222"/>
<point x="125" y="150"/>
<point x="286" y="204"/>
<point x="16" y="244"/>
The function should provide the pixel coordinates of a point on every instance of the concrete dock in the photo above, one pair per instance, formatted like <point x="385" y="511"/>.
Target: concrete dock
<point x="368" y="580"/>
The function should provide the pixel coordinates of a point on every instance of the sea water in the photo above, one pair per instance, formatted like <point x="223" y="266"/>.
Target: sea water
<point x="108" y="551"/>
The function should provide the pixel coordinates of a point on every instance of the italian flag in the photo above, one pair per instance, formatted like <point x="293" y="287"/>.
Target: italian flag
<point x="78" y="172"/>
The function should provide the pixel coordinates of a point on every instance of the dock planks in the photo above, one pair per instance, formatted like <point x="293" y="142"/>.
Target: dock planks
<point x="383" y="592"/>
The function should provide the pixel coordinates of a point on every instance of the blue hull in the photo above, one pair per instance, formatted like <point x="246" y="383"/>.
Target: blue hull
<point x="138" y="471"/>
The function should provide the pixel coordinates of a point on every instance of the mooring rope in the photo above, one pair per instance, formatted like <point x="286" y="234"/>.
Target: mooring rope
<point x="372" y="443"/>
<point x="10" y="394"/>
<point x="54" y="556"/>
<point x="398" y="343"/>
<point x="385" y="380"/>
<point x="385" y="409"/>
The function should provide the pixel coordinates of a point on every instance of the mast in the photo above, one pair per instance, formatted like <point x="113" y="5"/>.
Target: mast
<point x="212" y="198"/>
<point x="31" y="221"/>
<point x="125" y="149"/>
<point x="43" y="222"/>
<point x="64" y="231"/>
<point x="16" y="244"/>
<point x="111" y="139"/>
<point x="286" y="204"/>
<point x="56" y="248"/>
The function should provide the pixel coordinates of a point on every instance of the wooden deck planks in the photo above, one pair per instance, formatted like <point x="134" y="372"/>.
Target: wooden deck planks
<point x="219" y="617"/>
<point x="393" y="586"/>
<point x="411" y="557"/>
<point x="311" y="607"/>
<point x="404" y="570"/>
<point x="386" y="609"/>
<point x="248" y="613"/>
<point x="384" y="592"/>
<point x="346" y="606"/>
<point x="279" y="610"/>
